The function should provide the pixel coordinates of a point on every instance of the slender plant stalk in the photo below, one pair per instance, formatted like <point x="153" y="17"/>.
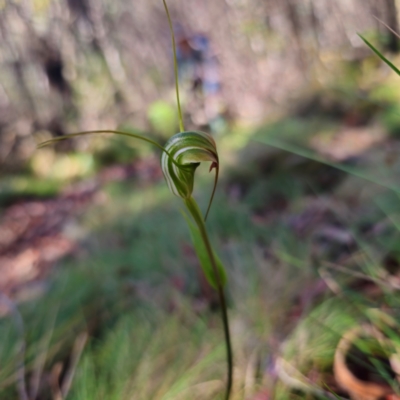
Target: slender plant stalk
<point x="201" y="147"/>
<point x="198" y="218"/>
<point x="200" y="222"/>
<point x="181" y="127"/>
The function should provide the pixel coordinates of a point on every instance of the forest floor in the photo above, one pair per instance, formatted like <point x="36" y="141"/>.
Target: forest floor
<point x="114" y="303"/>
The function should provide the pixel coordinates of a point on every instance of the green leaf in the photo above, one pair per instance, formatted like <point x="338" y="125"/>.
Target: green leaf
<point x="202" y="255"/>
<point x="380" y="55"/>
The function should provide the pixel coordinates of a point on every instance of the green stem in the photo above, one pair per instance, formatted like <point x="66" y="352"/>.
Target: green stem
<point x="198" y="218"/>
<point x="181" y="127"/>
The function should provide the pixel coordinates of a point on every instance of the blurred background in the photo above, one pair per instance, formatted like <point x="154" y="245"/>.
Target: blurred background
<point x="101" y="294"/>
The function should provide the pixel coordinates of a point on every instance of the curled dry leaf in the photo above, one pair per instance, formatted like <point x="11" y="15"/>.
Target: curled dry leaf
<point x="359" y="382"/>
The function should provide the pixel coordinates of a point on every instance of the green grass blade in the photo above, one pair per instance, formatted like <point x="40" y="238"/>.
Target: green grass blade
<point x="312" y="155"/>
<point x="380" y="55"/>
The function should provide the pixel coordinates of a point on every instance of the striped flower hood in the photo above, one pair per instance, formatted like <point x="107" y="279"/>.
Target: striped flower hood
<point x="183" y="154"/>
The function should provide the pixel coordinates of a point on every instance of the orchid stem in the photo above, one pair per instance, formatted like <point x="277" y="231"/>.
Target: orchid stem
<point x="198" y="218"/>
<point x="181" y="127"/>
<point x="196" y="214"/>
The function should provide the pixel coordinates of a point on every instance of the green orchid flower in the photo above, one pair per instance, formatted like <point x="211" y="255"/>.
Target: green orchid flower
<point x="180" y="157"/>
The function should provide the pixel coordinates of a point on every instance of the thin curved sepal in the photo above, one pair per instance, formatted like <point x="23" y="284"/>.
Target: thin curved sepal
<point x="183" y="154"/>
<point x="72" y="135"/>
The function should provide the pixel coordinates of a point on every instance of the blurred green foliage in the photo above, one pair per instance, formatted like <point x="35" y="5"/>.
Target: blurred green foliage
<point x="163" y="118"/>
